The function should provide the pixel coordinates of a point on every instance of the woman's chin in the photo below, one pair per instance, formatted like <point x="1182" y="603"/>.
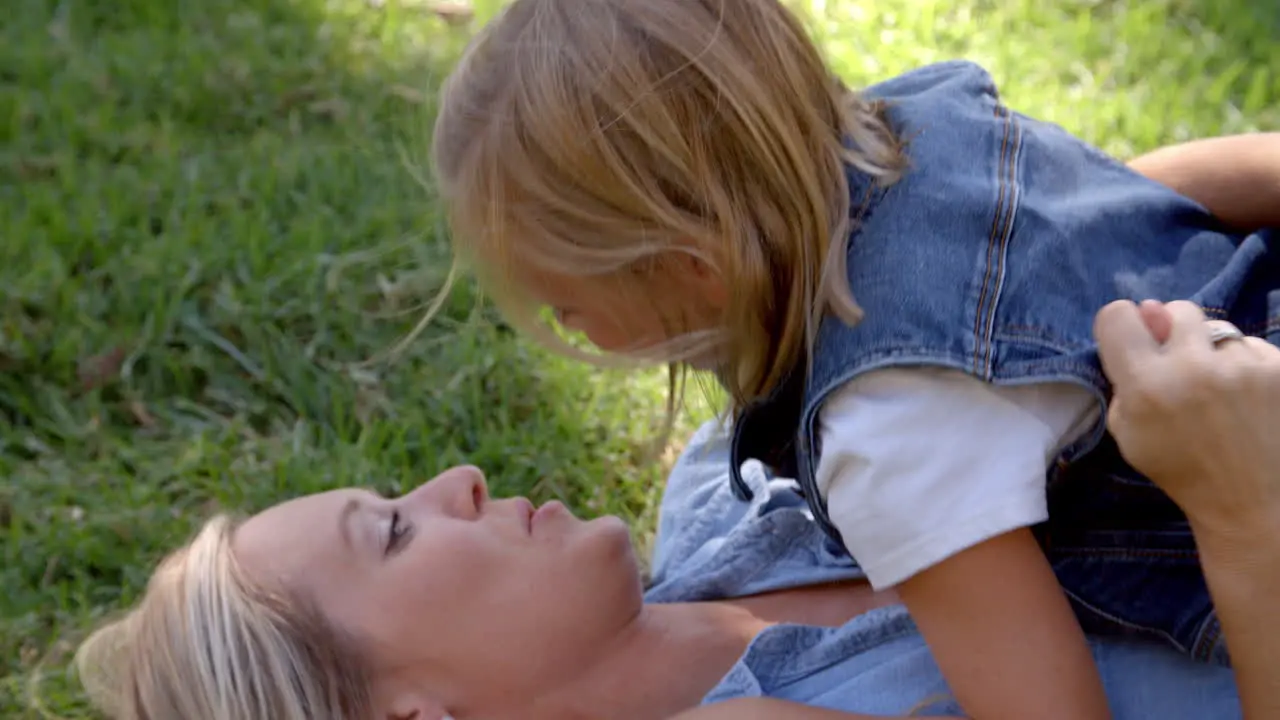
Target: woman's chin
<point x="612" y="536"/>
<point x="615" y="529"/>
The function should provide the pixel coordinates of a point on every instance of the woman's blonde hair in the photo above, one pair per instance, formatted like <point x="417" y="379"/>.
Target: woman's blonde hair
<point x="206" y="643"/>
<point x="594" y="137"/>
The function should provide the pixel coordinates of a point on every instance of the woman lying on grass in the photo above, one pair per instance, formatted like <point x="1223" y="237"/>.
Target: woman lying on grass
<point x="446" y="602"/>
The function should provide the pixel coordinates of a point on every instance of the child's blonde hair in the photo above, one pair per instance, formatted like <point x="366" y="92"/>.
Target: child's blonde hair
<point x="587" y="137"/>
<point x="205" y="643"/>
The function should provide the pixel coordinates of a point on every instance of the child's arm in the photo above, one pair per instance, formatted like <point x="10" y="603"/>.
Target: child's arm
<point x="1004" y="635"/>
<point x="932" y="477"/>
<point x="1237" y="177"/>
<point x="1001" y="632"/>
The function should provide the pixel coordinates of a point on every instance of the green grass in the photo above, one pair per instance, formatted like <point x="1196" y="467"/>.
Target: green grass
<point x="210" y="223"/>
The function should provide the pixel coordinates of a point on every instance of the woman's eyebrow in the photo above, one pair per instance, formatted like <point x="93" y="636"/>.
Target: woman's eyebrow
<point x="344" y="521"/>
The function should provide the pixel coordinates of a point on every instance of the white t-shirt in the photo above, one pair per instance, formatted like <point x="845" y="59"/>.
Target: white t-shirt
<point x="919" y="464"/>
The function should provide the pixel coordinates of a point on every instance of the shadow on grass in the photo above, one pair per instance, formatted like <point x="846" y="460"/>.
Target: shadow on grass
<point x="1247" y="24"/>
<point x="1190" y="68"/>
<point x="209" y="225"/>
<point x="1239" y="39"/>
<point x="1126" y="75"/>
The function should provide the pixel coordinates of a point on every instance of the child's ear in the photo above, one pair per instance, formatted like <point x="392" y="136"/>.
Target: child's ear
<point x="690" y="271"/>
<point x="710" y="283"/>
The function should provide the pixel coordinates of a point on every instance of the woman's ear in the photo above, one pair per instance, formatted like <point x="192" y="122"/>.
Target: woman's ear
<point x="413" y="706"/>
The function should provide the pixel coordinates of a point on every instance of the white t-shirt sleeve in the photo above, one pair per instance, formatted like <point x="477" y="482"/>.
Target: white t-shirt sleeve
<point x="919" y="464"/>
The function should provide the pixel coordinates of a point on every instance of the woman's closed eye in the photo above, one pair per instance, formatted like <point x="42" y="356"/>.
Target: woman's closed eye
<point x="398" y="533"/>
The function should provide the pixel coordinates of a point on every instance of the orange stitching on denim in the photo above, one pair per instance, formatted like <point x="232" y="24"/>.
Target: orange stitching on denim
<point x="1031" y="332"/>
<point x="1100" y="613"/>
<point x="1010" y="212"/>
<point x="1208" y="639"/>
<point x="991" y="240"/>
<point x="1126" y="553"/>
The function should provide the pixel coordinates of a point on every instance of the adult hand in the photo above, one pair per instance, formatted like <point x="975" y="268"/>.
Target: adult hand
<point x="1201" y="419"/>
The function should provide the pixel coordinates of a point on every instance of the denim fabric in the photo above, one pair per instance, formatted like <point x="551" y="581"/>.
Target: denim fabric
<point x="712" y="546"/>
<point x="992" y="256"/>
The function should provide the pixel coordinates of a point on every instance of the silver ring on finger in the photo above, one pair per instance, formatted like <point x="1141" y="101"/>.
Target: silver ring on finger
<point x="1221" y="331"/>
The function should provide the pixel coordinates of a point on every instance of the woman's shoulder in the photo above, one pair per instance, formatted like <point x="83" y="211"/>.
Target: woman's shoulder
<point x="875" y="664"/>
<point x="878" y="664"/>
<point x="712" y="545"/>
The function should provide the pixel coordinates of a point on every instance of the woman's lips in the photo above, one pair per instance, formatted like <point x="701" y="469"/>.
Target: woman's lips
<point x="526" y="514"/>
<point x="543" y="512"/>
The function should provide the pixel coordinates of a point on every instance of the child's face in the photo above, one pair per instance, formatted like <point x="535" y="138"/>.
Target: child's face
<point x="632" y="312"/>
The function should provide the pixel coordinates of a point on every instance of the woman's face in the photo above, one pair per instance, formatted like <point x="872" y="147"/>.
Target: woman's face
<point x="462" y="603"/>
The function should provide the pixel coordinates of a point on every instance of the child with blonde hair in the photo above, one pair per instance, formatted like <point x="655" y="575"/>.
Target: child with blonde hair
<point x="896" y="288"/>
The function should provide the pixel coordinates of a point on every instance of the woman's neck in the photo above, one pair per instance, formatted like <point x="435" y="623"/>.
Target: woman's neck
<point x="669" y="658"/>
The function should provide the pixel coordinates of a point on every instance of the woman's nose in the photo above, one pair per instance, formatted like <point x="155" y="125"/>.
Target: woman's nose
<point x="457" y="492"/>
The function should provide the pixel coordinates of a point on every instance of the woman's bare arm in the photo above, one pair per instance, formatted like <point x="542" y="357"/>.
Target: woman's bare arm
<point x="1236" y="177"/>
<point x="1244" y="580"/>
